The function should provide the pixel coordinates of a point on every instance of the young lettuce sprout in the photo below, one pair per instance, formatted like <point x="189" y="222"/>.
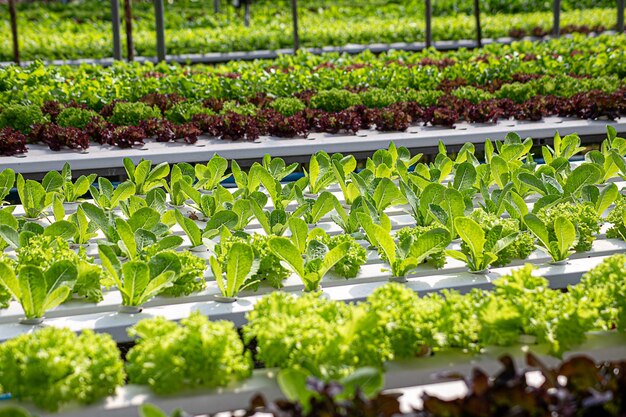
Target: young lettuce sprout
<point x="145" y="177"/>
<point x="34" y="197"/>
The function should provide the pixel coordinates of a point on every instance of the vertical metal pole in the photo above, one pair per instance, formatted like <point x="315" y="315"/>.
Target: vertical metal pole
<point x="128" y="19"/>
<point x="296" y="35"/>
<point x="479" y="29"/>
<point x="556" y="26"/>
<point x="216" y="6"/>
<point x="115" y="22"/>
<point x="429" y="23"/>
<point x="16" y="44"/>
<point x="160" y="29"/>
<point x="246" y="14"/>
<point x="620" y="15"/>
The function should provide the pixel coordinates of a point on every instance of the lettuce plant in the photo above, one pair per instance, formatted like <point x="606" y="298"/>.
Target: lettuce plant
<point x="144" y="176"/>
<point x="479" y="249"/>
<point x="143" y="232"/>
<point x="140" y="281"/>
<point x="33" y="196"/>
<point x="52" y="367"/>
<point x="76" y="117"/>
<point x="320" y="173"/>
<point x="107" y="198"/>
<point x="239" y="267"/>
<point x="183" y="112"/>
<point x="180" y="172"/>
<point x="43" y="251"/>
<point x="131" y="114"/>
<point x="280" y="195"/>
<point x="407" y="254"/>
<point x="187" y="354"/>
<point x="212" y="174"/>
<point x="312" y="210"/>
<point x="38" y="290"/>
<point x="72" y="191"/>
<point x="287" y="106"/>
<point x="318" y="260"/>
<point x="270" y="269"/>
<point x="21" y="117"/>
<point x="307" y="332"/>
<point x="190" y="279"/>
<point x="85" y="230"/>
<point x="558" y="244"/>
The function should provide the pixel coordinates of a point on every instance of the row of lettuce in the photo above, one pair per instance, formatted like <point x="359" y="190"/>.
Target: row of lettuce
<point x="309" y="335"/>
<point x="76" y="31"/>
<point x="268" y="231"/>
<point x="292" y="97"/>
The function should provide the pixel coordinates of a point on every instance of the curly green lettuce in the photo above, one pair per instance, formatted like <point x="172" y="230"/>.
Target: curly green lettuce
<point x="52" y="367"/>
<point x="197" y="353"/>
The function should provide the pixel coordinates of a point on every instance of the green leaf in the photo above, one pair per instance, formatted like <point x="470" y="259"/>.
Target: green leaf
<point x="10" y="236"/>
<point x="607" y="196"/>
<point x="378" y="237"/>
<point x="239" y="267"/>
<point x="332" y="257"/>
<point x="127" y="238"/>
<point x="299" y="233"/>
<point x="10" y="281"/>
<point x="224" y="218"/>
<point x="293" y="383"/>
<point x="163" y="262"/>
<point x="62" y="229"/>
<point x="533" y="182"/>
<point x="465" y="177"/>
<point x="322" y="206"/>
<point x="368" y="380"/>
<point x="386" y="194"/>
<point x="33" y="291"/>
<point x="156" y="285"/>
<point x="136" y="277"/>
<point x="190" y="227"/>
<point x="536" y="226"/>
<point x="471" y="233"/>
<point x="55" y="298"/>
<point x="61" y="273"/>
<point x="285" y="250"/>
<point x="149" y="410"/>
<point x="433" y="241"/>
<point x="565" y="234"/>
<point x="583" y="175"/>
<point x="123" y="192"/>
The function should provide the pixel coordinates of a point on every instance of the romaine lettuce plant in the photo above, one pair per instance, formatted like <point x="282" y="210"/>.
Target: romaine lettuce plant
<point x="479" y="249"/>
<point x="39" y="290"/>
<point x="559" y="244"/>
<point x="180" y="172"/>
<point x="312" y="210"/>
<point x="72" y="191"/>
<point x="409" y="253"/>
<point x="320" y="173"/>
<point x="212" y="174"/>
<point x="33" y="197"/>
<point x="145" y="177"/>
<point x="140" y="281"/>
<point x="107" y="197"/>
<point x="240" y="266"/>
<point x="311" y="268"/>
